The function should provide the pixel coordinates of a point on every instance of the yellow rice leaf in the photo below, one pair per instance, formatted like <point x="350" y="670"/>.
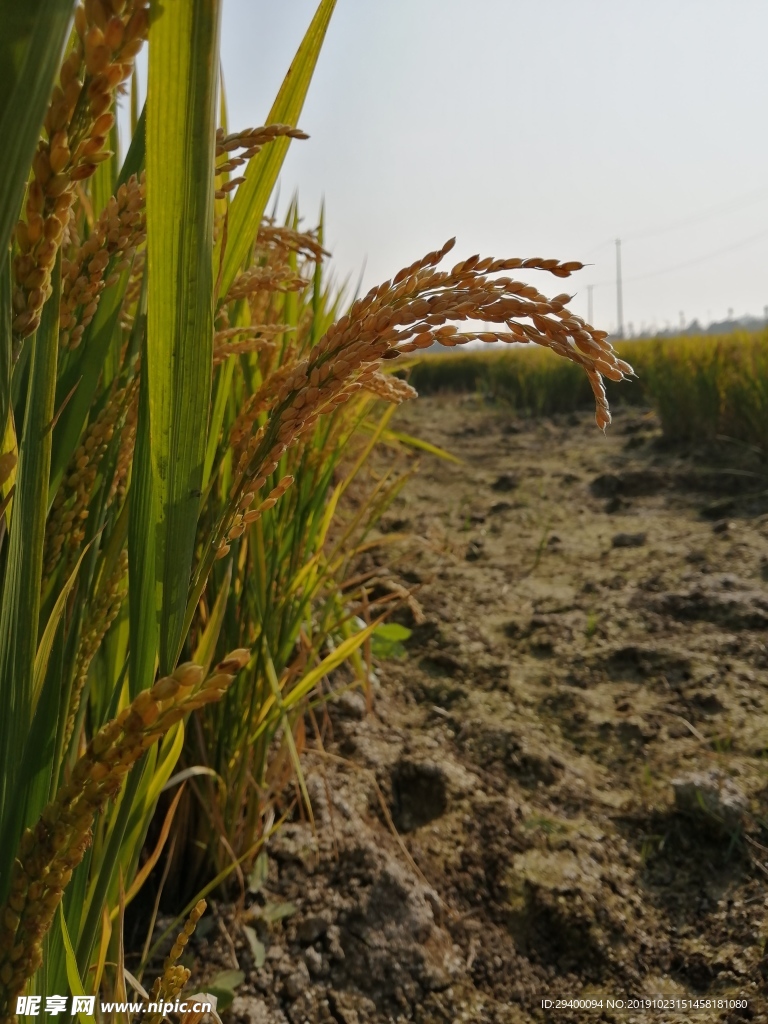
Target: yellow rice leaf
<point x="417" y="442"/>
<point x="153" y="858"/>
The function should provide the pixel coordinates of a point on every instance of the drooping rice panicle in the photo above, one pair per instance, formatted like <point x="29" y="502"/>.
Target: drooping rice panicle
<point x="249" y="142"/>
<point x="409" y="313"/>
<point x="391" y="389"/>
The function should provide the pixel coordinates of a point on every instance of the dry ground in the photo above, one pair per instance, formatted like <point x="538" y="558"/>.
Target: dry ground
<point x="595" y="613"/>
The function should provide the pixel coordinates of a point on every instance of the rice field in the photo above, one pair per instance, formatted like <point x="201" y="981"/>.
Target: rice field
<point x="701" y="387"/>
<point x="207" y="565"/>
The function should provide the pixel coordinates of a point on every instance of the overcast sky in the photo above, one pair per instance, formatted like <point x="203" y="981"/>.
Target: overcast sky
<point x="539" y="128"/>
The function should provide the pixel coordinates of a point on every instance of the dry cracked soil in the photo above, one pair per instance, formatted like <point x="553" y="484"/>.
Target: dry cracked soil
<point x="559" y="792"/>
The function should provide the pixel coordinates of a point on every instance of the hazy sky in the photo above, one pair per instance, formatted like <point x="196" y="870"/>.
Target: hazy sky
<point x="538" y="128"/>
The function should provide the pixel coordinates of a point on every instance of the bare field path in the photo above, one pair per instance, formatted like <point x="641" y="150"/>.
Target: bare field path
<point x="572" y="751"/>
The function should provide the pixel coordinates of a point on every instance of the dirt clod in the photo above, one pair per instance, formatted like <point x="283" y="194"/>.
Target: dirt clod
<point x="712" y="798"/>
<point x="628" y="540"/>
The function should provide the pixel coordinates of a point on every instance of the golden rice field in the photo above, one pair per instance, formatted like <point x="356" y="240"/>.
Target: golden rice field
<point x="701" y="387"/>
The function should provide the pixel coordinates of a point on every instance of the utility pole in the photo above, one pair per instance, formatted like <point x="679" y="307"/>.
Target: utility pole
<point x="619" y="307"/>
<point x="589" y="304"/>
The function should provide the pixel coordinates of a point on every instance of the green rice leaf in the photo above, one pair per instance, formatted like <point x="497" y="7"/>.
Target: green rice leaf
<point x="20" y="608"/>
<point x="309" y="681"/>
<point x="49" y="633"/>
<point x="288" y="736"/>
<point x="252" y="196"/>
<point x="181" y="126"/>
<point x="73" y="975"/>
<point x="141" y="556"/>
<point x="206" y="648"/>
<point x="6" y="341"/>
<point x="168" y="755"/>
<point x="134" y="158"/>
<point x="222" y="394"/>
<point x="104" y="181"/>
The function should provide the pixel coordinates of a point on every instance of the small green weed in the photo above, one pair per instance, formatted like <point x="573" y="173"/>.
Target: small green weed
<point x="387" y="640"/>
<point x="546" y="825"/>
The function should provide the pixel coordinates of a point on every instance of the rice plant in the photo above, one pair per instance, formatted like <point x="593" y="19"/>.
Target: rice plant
<point x="283" y="588"/>
<point x="705" y="387"/>
<point x="170" y="378"/>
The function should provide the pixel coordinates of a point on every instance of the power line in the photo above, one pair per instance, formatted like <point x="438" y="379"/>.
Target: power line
<point x="690" y="263"/>
<point x="703" y="259"/>
<point x="749" y="199"/>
